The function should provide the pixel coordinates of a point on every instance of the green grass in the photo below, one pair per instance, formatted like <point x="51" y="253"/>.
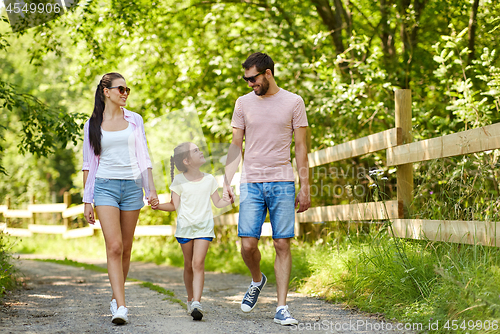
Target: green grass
<point x="55" y="245"/>
<point x="411" y="281"/>
<point x="72" y="263"/>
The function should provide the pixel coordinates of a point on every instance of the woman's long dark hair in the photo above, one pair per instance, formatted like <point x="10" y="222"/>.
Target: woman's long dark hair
<point x="97" y="115"/>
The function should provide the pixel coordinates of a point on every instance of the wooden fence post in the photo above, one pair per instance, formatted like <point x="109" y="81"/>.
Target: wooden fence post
<point x="67" y="201"/>
<point x="404" y="172"/>
<point x="33" y="215"/>
<point x="7" y="204"/>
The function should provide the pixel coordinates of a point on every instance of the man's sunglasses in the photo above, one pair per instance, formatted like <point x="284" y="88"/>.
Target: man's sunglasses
<point x="253" y="77"/>
<point x="121" y="89"/>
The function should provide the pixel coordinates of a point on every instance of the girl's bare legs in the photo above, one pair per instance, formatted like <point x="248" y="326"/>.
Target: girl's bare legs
<point x="200" y="249"/>
<point x="187" y="251"/>
<point x="194" y="252"/>
<point x="118" y="229"/>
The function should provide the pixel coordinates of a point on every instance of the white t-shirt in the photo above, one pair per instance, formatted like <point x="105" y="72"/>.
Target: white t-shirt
<point x="194" y="214"/>
<point x="118" y="159"/>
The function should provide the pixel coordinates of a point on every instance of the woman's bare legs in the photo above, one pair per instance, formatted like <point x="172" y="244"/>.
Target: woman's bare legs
<point x="128" y="223"/>
<point x="118" y="228"/>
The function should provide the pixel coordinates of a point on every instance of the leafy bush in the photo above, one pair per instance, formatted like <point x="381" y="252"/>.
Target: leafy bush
<point x="7" y="270"/>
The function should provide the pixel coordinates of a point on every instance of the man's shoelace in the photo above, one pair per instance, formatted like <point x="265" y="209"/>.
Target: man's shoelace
<point x="250" y="293"/>
<point x="284" y="312"/>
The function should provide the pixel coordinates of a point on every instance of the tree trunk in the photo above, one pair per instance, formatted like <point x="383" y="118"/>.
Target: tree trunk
<point x="387" y="36"/>
<point x="409" y="37"/>
<point x="333" y="21"/>
<point x="472" y="31"/>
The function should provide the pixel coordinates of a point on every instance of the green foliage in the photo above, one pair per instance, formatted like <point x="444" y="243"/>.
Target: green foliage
<point x="458" y="188"/>
<point x="7" y="269"/>
<point x="55" y="245"/>
<point x="36" y="122"/>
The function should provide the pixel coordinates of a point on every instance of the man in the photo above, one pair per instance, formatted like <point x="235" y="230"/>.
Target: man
<point x="267" y="118"/>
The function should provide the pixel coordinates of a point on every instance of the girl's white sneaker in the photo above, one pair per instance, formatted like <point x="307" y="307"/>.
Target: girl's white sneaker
<point x="196" y="311"/>
<point x="120" y="316"/>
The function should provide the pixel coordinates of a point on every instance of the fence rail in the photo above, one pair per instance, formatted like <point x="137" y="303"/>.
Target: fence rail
<point x="401" y="151"/>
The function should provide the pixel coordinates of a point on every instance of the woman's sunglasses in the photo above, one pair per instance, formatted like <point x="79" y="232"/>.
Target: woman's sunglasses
<point x="253" y="77"/>
<point x="121" y="89"/>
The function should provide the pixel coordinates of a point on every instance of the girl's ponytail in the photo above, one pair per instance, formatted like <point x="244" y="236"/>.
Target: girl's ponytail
<point x="172" y="168"/>
<point x="181" y="152"/>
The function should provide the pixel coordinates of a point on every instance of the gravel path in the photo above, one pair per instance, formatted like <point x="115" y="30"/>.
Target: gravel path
<point x="65" y="299"/>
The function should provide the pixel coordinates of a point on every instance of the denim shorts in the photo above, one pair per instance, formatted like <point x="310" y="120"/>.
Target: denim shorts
<point x="257" y="198"/>
<point x="126" y="195"/>
<point x="183" y="241"/>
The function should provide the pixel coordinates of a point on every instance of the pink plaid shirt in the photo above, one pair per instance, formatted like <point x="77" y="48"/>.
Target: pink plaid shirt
<point x="91" y="161"/>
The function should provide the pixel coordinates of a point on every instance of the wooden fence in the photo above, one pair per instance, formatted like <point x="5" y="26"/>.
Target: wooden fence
<point x="401" y="152"/>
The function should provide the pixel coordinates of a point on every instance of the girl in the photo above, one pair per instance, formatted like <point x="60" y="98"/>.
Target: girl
<point x="191" y="192"/>
<point x="116" y="166"/>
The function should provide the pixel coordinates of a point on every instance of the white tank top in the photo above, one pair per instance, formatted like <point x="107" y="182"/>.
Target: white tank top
<point x="118" y="159"/>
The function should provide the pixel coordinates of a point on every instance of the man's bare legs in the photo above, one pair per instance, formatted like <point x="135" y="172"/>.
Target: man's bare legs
<point x="282" y="268"/>
<point x="251" y="255"/>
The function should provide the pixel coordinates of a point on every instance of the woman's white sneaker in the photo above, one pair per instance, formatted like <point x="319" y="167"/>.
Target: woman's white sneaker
<point x="120" y="316"/>
<point x="113" y="306"/>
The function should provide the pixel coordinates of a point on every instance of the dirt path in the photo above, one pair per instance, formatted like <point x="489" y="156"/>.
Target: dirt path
<point x="65" y="299"/>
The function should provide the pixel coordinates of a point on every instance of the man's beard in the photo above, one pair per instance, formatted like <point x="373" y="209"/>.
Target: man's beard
<point x="264" y="87"/>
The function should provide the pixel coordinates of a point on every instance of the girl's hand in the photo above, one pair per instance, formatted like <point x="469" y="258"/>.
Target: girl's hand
<point x="88" y="212"/>
<point x="154" y="204"/>
<point x="227" y="194"/>
<point x="153" y="200"/>
<point x="226" y="197"/>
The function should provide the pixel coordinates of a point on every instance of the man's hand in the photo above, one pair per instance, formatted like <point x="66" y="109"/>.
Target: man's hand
<point x="228" y="194"/>
<point x="88" y="212"/>
<point x="303" y="199"/>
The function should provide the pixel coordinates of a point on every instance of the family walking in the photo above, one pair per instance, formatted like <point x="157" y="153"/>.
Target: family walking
<point x="117" y="173"/>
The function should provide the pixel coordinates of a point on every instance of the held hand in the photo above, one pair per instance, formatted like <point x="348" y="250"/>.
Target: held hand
<point x="226" y="197"/>
<point x="88" y="212"/>
<point x="228" y="194"/>
<point x="303" y="199"/>
<point x="155" y="204"/>
<point x="153" y="200"/>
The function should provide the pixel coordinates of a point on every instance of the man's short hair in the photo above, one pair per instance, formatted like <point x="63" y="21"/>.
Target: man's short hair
<point x="261" y="61"/>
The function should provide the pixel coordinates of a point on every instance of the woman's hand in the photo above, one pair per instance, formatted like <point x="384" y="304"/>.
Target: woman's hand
<point x="153" y="200"/>
<point x="88" y="212"/>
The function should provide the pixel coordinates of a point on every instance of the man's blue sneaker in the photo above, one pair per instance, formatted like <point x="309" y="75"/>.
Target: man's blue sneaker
<point x="250" y="300"/>
<point x="283" y="317"/>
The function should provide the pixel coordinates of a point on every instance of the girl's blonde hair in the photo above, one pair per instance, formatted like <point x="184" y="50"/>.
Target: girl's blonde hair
<point x="181" y="152"/>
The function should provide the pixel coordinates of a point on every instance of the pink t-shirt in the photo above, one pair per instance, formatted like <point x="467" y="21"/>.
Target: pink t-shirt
<point x="268" y="122"/>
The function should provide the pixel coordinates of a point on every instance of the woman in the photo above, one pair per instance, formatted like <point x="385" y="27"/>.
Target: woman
<point x="116" y="166"/>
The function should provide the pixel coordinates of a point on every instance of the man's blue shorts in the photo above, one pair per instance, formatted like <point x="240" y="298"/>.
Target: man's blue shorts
<point x="257" y="198"/>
